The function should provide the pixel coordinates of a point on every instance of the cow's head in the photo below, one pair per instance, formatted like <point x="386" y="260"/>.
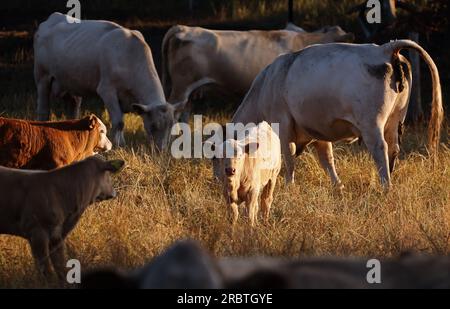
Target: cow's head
<point x="104" y="189"/>
<point x="160" y="118"/>
<point x="158" y="122"/>
<point x="231" y="159"/>
<point x="98" y="128"/>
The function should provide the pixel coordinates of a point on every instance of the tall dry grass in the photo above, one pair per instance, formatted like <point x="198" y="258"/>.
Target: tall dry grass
<point x="162" y="199"/>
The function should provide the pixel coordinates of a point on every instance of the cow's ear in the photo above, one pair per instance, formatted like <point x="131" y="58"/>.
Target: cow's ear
<point x="140" y="108"/>
<point x="92" y="121"/>
<point x="180" y="106"/>
<point x="250" y="148"/>
<point x="114" y="166"/>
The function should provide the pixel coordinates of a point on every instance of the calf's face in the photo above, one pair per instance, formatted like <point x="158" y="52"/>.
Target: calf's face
<point x="103" y="144"/>
<point x="233" y="155"/>
<point x="105" y="189"/>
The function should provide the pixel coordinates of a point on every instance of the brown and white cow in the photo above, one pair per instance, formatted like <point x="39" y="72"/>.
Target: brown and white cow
<point x="46" y="145"/>
<point x="248" y="167"/>
<point x="44" y="206"/>
<point x="231" y="58"/>
<point x="332" y="92"/>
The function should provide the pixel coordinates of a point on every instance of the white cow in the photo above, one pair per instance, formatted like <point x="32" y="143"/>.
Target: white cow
<point x="73" y="60"/>
<point x="331" y="92"/>
<point x="232" y="58"/>
<point x="249" y="166"/>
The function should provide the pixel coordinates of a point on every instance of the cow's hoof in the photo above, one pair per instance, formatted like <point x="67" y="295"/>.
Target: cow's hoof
<point x="339" y="188"/>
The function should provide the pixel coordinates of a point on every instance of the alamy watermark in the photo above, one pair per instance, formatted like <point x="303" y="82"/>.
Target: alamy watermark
<point x="374" y="274"/>
<point x="373" y="15"/>
<point x="73" y="275"/>
<point x="74" y="14"/>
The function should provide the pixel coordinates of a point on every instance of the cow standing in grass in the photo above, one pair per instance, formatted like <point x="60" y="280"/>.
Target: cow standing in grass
<point x="232" y="58"/>
<point x="332" y="92"/>
<point x="44" y="206"/>
<point x="77" y="59"/>
<point x="47" y="145"/>
<point x="248" y="167"/>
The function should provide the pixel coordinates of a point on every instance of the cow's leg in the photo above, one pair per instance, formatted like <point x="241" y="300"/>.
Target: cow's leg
<point x="252" y="205"/>
<point x="234" y="207"/>
<point x="109" y="97"/>
<point x="392" y="133"/>
<point x="288" y="160"/>
<point x="287" y="136"/>
<point x="74" y="106"/>
<point x="326" y="159"/>
<point x="377" y="146"/>
<point x="267" y="198"/>
<point x="43" y="98"/>
<point x="39" y="242"/>
<point x="57" y="254"/>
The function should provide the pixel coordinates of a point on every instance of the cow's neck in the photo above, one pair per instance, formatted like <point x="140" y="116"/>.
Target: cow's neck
<point x="247" y="113"/>
<point x="78" y="184"/>
<point x="84" y="143"/>
<point x="87" y="142"/>
<point x="148" y="89"/>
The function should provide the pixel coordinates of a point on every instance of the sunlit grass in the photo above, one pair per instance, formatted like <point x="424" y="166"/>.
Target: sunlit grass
<point x="162" y="199"/>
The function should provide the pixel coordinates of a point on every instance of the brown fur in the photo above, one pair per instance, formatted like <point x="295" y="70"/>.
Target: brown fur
<point x="46" y="145"/>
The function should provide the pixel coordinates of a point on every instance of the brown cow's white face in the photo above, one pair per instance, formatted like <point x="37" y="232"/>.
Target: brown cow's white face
<point x="104" y="144"/>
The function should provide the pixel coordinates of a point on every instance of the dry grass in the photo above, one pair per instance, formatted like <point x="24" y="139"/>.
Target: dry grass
<point x="162" y="199"/>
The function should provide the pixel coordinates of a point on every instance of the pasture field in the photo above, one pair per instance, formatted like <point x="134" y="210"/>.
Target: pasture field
<point x="162" y="199"/>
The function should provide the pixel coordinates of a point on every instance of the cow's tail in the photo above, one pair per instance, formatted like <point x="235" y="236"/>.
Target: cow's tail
<point x="166" y="79"/>
<point x="437" y="111"/>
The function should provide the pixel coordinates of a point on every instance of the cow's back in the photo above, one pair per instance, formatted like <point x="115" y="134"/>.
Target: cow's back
<point x="233" y="58"/>
<point x="266" y="161"/>
<point x="31" y="145"/>
<point x="17" y="142"/>
<point x="18" y="186"/>
<point x="78" y="55"/>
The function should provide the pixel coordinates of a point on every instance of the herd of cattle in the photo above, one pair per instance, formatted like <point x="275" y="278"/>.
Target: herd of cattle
<point x="317" y="86"/>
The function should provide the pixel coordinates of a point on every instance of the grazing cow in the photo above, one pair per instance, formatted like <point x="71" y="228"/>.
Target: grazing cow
<point x="44" y="206"/>
<point x="200" y="270"/>
<point x="73" y="60"/>
<point x="48" y="145"/>
<point x="247" y="167"/>
<point x="232" y="58"/>
<point x="331" y="92"/>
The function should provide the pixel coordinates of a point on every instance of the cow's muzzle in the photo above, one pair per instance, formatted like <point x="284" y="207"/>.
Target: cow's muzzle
<point x="230" y="171"/>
